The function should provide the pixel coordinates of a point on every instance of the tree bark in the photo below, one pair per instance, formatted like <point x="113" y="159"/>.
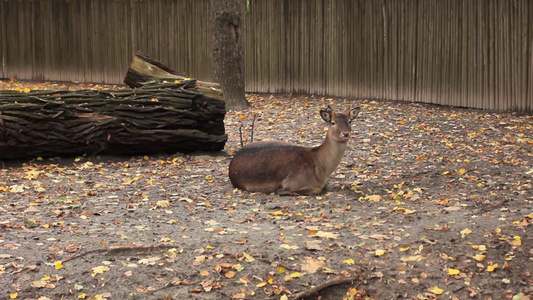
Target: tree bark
<point x="156" y="118"/>
<point x="228" y="55"/>
<point x="144" y="70"/>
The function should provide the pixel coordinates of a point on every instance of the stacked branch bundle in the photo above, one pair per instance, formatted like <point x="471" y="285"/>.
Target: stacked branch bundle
<point x="156" y="117"/>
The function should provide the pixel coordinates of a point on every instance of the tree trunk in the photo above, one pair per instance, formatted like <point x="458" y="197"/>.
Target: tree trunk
<point x="228" y="56"/>
<point x="161" y="117"/>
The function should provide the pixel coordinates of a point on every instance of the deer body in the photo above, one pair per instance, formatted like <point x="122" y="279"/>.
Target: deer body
<point x="283" y="168"/>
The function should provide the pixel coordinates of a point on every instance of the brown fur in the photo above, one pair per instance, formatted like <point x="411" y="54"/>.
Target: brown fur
<point x="283" y="168"/>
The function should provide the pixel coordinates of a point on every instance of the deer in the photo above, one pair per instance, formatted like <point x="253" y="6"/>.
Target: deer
<point x="288" y="169"/>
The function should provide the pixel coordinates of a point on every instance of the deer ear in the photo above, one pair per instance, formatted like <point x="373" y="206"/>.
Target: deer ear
<point x="352" y="114"/>
<point x="326" y="114"/>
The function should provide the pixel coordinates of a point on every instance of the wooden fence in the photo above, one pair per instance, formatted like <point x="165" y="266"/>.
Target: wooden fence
<point x="471" y="53"/>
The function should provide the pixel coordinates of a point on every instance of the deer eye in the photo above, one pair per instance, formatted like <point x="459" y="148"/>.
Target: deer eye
<point x="332" y="122"/>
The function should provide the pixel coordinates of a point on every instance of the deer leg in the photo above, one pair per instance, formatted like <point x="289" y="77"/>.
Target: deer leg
<point x="309" y="191"/>
<point x="284" y="192"/>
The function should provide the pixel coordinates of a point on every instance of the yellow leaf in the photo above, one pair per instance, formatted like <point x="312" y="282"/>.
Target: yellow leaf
<point x="58" y="265"/>
<point x="281" y="270"/>
<point x="99" y="270"/>
<point x="480" y="247"/>
<point x="349" y="261"/>
<point x="379" y="252"/>
<point x="229" y="274"/>
<point x="261" y="284"/>
<point x="238" y="267"/>
<point x="415" y="280"/>
<point x="204" y="273"/>
<point x="465" y="232"/>
<point x="412" y="258"/>
<point x="38" y="283"/>
<point x="46" y="278"/>
<point x="405" y="248"/>
<point x="453" y="271"/>
<point x="373" y="198"/>
<point x="248" y="257"/>
<point x="245" y="280"/>
<point x="82" y="296"/>
<point x="327" y="234"/>
<point x="284" y="297"/>
<point x="26" y="90"/>
<point x="491" y="268"/>
<point x="288" y="247"/>
<point x="296" y="275"/>
<point x="13" y="295"/>
<point x="352" y="292"/>
<point x="276" y="213"/>
<point x="479" y="257"/>
<point x="436" y="290"/>
<point x="163" y="203"/>
<point x="271" y="279"/>
<point x="517" y="241"/>
<point x="506" y="280"/>
<point x="461" y="172"/>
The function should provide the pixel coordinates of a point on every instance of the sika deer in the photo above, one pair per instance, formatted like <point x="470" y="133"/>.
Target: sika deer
<point x="286" y="169"/>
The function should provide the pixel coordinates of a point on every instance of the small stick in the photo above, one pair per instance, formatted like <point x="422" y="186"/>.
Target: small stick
<point x="324" y="285"/>
<point x="253" y="124"/>
<point x="118" y="250"/>
<point x="240" y="134"/>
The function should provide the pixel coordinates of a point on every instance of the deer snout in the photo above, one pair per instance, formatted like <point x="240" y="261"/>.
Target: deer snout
<point x="345" y="135"/>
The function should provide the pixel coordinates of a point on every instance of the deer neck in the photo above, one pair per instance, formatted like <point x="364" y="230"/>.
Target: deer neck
<point x="329" y="155"/>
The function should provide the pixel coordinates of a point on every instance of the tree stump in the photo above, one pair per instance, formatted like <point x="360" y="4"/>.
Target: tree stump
<point x="155" y="118"/>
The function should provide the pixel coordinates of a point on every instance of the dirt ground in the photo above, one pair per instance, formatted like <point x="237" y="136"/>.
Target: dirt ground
<point x="428" y="203"/>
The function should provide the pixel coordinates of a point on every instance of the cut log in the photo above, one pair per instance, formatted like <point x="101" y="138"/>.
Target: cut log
<point x="144" y="70"/>
<point x="155" y="118"/>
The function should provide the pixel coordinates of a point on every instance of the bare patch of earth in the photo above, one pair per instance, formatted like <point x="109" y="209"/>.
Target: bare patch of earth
<point x="428" y="203"/>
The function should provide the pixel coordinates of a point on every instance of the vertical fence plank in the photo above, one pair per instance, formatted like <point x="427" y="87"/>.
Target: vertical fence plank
<point x="475" y="53"/>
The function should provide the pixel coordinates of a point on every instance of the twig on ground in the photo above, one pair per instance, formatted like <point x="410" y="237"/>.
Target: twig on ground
<point x="324" y="285"/>
<point x="121" y="249"/>
<point x="240" y="134"/>
<point x="253" y="125"/>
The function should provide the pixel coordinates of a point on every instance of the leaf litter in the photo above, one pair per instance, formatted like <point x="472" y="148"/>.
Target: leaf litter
<point x="428" y="201"/>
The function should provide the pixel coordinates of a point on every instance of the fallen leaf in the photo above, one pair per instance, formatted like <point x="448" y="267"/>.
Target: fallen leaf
<point x="296" y="275"/>
<point x="99" y="270"/>
<point x="436" y="290"/>
<point x="479" y="257"/>
<point x="349" y="261"/>
<point x="312" y="265"/>
<point x="492" y="268"/>
<point x="327" y="234"/>
<point x="248" y="257"/>
<point x="465" y="232"/>
<point x="453" y="271"/>
<point x="313" y="245"/>
<point x="58" y="265"/>
<point x="374" y="198"/>
<point x="229" y="274"/>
